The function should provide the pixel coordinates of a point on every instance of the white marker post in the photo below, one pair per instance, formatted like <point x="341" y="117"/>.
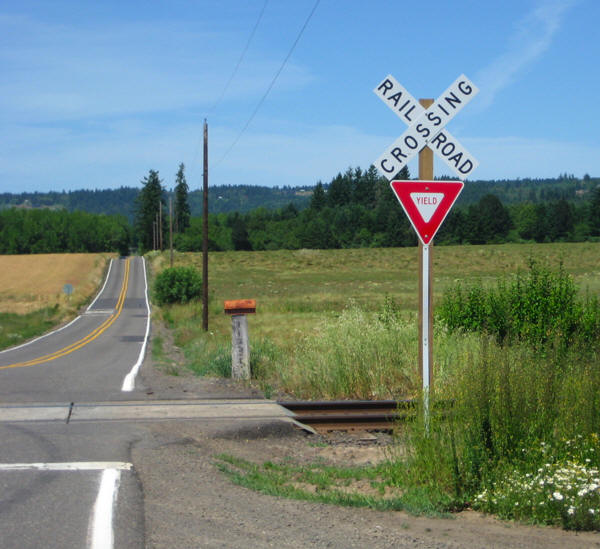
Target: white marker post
<point x="240" y="346"/>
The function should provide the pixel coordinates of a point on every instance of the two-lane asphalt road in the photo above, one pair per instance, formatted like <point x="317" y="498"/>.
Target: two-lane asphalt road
<point x="70" y="414"/>
<point x="65" y="484"/>
<point x="90" y="359"/>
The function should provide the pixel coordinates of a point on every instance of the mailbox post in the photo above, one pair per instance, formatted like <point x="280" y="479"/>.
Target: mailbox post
<point x="240" y="347"/>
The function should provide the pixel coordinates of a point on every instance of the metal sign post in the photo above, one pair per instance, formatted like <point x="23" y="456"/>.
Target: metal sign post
<point x="425" y="288"/>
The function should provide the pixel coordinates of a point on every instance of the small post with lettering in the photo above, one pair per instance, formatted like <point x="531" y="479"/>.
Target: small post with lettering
<point x="240" y="347"/>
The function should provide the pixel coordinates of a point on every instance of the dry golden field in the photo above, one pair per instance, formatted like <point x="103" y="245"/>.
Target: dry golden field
<point x="31" y="282"/>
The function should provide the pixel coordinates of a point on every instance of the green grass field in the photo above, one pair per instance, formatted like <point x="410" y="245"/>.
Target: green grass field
<point x="295" y="290"/>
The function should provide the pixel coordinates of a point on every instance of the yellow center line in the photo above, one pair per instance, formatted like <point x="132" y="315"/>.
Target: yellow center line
<point x="88" y="338"/>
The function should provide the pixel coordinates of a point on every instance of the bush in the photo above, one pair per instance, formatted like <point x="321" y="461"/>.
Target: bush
<point x="540" y="307"/>
<point x="177" y="285"/>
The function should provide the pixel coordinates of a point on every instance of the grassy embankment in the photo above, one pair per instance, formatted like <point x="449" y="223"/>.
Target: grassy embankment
<point x="32" y="300"/>
<point x="521" y="439"/>
<point x="305" y="296"/>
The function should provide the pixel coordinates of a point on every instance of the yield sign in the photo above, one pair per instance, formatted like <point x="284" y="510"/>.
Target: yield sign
<point x="426" y="203"/>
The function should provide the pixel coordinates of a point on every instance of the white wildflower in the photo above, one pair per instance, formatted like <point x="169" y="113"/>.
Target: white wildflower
<point x="557" y="496"/>
<point x="571" y="510"/>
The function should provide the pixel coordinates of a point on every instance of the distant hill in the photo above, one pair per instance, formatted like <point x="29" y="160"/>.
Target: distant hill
<point x="221" y="199"/>
<point x="245" y="198"/>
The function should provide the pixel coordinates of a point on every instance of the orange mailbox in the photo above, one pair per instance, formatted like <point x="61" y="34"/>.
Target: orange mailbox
<point x="240" y="306"/>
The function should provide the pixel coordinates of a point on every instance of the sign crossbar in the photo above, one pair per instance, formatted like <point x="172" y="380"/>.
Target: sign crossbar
<point x="426" y="126"/>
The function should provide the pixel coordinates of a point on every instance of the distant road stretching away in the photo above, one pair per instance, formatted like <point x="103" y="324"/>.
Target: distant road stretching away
<point x="94" y="357"/>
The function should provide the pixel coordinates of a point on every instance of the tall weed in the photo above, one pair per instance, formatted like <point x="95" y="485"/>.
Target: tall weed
<point x="358" y="355"/>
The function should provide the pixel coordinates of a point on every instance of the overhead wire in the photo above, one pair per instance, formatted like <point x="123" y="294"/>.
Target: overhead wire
<point x="239" y="62"/>
<point x="272" y="83"/>
<point x="231" y="77"/>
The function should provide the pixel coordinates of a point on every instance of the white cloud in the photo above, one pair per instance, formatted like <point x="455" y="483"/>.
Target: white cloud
<point x="532" y="37"/>
<point x="57" y="72"/>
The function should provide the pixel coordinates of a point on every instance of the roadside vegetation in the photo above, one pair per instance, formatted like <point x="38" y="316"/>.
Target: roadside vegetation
<point x="515" y="351"/>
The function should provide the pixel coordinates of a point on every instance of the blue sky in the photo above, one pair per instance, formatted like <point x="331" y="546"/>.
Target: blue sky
<point x="94" y="94"/>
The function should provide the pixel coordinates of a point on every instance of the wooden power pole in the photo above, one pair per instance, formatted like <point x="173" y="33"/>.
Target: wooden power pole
<point x="205" y="233"/>
<point x="160" y="227"/>
<point x="171" y="228"/>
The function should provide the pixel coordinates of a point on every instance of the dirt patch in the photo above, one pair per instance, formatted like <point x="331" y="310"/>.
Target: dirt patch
<point x="31" y="282"/>
<point x="189" y="503"/>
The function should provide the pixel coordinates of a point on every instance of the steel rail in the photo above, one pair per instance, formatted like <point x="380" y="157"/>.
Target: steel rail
<point x="350" y="415"/>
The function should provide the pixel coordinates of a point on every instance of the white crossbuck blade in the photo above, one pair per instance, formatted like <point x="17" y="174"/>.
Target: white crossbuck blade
<point x="426" y="127"/>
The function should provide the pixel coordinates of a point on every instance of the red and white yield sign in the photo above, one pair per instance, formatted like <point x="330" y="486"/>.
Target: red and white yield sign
<point x="427" y="203"/>
<point x="426" y="127"/>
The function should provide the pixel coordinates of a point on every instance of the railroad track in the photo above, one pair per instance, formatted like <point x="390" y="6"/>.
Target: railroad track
<point x="350" y="415"/>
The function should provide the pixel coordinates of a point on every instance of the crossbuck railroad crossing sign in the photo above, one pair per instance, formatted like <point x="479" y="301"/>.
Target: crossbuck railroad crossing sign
<point x="426" y="127"/>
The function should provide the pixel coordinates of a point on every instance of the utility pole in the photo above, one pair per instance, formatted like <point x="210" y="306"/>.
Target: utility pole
<point x="171" y="228"/>
<point x="154" y="234"/>
<point x="160" y="229"/>
<point x="205" y="233"/>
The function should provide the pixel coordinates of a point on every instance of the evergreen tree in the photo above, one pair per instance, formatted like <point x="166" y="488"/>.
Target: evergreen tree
<point x="239" y="233"/>
<point x="490" y="221"/>
<point x="182" y="208"/>
<point x="337" y="193"/>
<point x="364" y="187"/>
<point x="319" y="199"/>
<point x="594" y="219"/>
<point x="560" y="220"/>
<point x="148" y="204"/>
<point x="403" y="174"/>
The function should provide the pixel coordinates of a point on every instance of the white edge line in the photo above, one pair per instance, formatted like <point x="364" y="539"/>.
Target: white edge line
<point x="41" y="337"/>
<point x="69" y="466"/>
<point x="101" y="525"/>
<point x="103" y="286"/>
<point x="66" y="325"/>
<point x="129" y="381"/>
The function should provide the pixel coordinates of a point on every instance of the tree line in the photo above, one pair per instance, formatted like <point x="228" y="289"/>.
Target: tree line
<point x="355" y="209"/>
<point x="245" y="198"/>
<point x="358" y="209"/>
<point x="36" y="231"/>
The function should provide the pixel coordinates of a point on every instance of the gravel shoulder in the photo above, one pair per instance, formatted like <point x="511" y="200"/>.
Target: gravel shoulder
<point x="189" y="503"/>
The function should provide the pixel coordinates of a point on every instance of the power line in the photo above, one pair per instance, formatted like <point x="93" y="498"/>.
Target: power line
<point x="231" y="77"/>
<point x="237" y="66"/>
<point x="262" y="99"/>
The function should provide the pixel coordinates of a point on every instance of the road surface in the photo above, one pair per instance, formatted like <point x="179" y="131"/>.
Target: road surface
<point x="67" y="484"/>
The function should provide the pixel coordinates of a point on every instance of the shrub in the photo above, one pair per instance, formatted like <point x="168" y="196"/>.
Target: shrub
<point x="177" y="285"/>
<point x="540" y="307"/>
